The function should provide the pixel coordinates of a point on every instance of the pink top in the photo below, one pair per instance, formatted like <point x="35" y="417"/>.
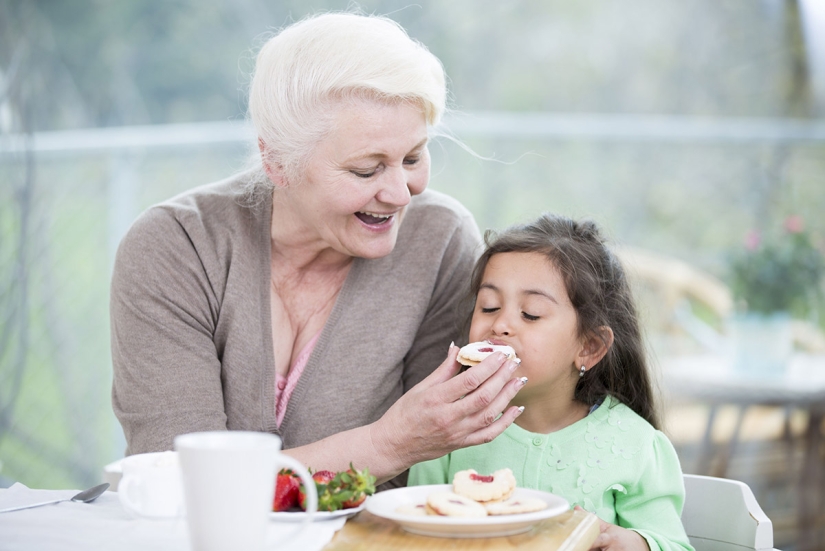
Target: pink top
<point x="285" y="385"/>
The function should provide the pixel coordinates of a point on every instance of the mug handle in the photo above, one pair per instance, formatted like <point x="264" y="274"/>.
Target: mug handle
<point x="311" y="493"/>
<point x="124" y="487"/>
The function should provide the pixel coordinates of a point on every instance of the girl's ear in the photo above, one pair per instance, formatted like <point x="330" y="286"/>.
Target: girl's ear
<point x="275" y="173"/>
<point x="595" y="347"/>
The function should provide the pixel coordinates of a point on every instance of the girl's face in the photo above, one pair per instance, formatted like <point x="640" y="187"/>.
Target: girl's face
<point x="523" y="302"/>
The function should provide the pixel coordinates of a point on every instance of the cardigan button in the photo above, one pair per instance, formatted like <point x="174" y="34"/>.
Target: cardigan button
<point x="537" y="441"/>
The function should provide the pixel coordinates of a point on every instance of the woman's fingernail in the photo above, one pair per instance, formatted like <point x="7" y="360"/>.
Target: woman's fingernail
<point x="452" y="344"/>
<point x="520" y="410"/>
<point x="511" y="366"/>
<point x="523" y="381"/>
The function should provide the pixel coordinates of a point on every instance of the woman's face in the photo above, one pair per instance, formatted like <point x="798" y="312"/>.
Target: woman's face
<point x="360" y="178"/>
<point x="523" y="302"/>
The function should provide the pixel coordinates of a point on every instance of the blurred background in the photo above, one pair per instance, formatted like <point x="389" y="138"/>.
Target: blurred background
<point x="694" y="132"/>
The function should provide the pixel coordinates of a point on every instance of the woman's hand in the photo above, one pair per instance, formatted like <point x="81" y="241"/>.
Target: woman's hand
<point x="616" y="538"/>
<point x="448" y="410"/>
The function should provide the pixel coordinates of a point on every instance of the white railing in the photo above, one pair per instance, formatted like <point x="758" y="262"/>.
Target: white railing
<point x="598" y="127"/>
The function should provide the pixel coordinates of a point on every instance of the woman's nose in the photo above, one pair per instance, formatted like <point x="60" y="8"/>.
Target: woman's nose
<point x="395" y="189"/>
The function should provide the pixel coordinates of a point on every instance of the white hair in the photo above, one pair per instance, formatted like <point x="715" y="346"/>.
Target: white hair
<point x="308" y="66"/>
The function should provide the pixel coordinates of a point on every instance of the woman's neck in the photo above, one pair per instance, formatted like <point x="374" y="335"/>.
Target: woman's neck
<point x="292" y="260"/>
<point x="297" y="249"/>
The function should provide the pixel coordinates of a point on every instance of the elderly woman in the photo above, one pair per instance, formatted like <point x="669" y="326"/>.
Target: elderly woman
<point x="314" y="296"/>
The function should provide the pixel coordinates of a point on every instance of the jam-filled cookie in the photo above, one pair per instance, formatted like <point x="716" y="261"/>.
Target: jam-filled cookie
<point x="449" y="504"/>
<point x="515" y="505"/>
<point x="493" y="487"/>
<point x="475" y="352"/>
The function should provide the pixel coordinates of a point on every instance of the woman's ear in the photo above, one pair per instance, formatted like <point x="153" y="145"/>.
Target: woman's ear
<point x="595" y="347"/>
<point x="275" y="173"/>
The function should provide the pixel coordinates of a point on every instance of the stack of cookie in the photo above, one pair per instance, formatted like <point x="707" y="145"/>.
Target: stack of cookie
<point x="476" y="495"/>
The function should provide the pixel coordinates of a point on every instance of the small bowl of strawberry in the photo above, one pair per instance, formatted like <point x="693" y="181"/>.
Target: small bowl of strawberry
<point x="339" y="493"/>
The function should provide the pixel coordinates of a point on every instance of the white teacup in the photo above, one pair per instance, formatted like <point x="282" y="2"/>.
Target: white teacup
<point x="229" y="483"/>
<point x="151" y="485"/>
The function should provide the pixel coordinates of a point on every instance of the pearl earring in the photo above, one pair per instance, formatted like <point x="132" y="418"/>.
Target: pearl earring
<point x="581" y="372"/>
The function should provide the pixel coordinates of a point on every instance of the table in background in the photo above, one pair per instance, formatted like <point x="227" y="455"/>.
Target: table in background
<point x="712" y="379"/>
<point x="570" y="531"/>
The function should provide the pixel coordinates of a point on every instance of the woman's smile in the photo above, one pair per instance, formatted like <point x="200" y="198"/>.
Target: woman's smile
<point x="375" y="221"/>
<point x="359" y="180"/>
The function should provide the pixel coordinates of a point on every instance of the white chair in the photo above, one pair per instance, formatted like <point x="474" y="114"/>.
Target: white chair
<point x="723" y="515"/>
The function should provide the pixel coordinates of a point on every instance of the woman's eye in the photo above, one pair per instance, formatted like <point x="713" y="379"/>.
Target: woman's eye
<point x="529" y="317"/>
<point x="411" y="160"/>
<point x="488" y="310"/>
<point x="361" y="174"/>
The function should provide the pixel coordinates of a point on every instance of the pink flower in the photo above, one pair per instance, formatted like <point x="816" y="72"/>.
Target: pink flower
<point x="752" y="240"/>
<point x="794" y="224"/>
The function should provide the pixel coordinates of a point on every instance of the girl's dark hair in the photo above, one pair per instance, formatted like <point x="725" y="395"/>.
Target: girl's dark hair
<point x="599" y="291"/>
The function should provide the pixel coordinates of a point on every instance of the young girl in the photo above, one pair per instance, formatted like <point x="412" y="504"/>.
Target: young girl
<point x="553" y="291"/>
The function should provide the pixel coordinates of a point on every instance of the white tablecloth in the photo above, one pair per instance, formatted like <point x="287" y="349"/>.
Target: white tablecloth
<point x="104" y="524"/>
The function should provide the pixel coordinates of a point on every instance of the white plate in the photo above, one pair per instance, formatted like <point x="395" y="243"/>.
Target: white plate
<point x="298" y="516"/>
<point x="385" y="504"/>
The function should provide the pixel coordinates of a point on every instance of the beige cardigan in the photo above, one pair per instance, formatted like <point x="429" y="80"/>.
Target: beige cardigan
<point x="191" y="326"/>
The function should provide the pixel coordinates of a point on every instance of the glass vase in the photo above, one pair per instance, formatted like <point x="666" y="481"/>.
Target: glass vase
<point x="762" y="343"/>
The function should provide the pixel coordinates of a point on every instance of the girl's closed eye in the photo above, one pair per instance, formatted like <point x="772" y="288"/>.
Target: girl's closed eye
<point x="489" y="310"/>
<point x="529" y="317"/>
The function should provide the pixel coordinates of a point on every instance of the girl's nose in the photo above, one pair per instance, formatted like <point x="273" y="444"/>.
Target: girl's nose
<point x="501" y="326"/>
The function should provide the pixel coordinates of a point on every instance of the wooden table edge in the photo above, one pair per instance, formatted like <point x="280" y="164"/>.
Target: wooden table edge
<point x="570" y="531"/>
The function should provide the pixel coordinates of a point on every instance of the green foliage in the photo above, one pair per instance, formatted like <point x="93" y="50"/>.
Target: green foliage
<point x="95" y="63"/>
<point x="56" y="425"/>
<point x="782" y="272"/>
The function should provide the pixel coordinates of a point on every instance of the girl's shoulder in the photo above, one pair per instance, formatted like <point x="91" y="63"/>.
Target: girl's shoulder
<point x="616" y="419"/>
<point x="615" y="434"/>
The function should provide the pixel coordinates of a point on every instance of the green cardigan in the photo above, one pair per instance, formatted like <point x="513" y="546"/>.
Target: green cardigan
<point x="612" y="463"/>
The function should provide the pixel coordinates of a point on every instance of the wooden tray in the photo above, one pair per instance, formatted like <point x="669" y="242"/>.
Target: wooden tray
<point x="571" y="531"/>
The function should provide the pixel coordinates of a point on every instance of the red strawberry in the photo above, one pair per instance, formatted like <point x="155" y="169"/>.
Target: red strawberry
<point x="326" y="502"/>
<point x="342" y="490"/>
<point x="286" y="491"/>
<point x="323" y="477"/>
<point x="357" y="500"/>
<point x="355" y="486"/>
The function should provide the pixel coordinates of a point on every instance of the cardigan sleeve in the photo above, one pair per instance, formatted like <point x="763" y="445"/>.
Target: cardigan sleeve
<point x="167" y="372"/>
<point x="653" y="507"/>
<point x="445" y="312"/>
<point x="434" y="471"/>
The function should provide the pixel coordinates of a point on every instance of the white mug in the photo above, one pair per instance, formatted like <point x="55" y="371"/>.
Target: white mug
<point x="229" y="483"/>
<point x="151" y="485"/>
